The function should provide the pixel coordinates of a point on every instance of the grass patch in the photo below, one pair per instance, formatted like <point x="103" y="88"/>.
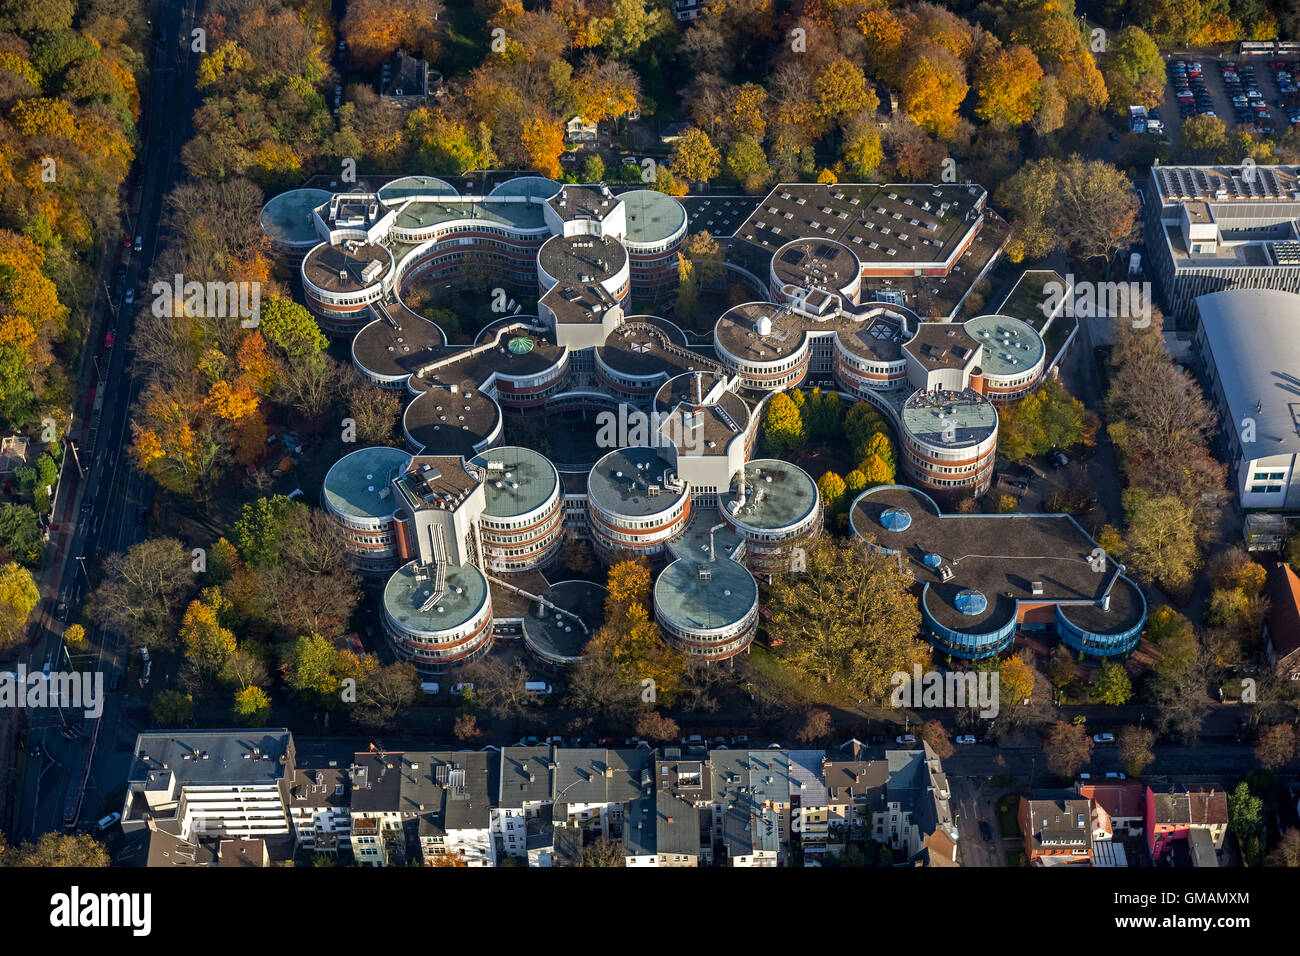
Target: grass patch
<point x="1008" y="823"/>
<point x="1025" y="301"/>
<point x="789" y="687"/>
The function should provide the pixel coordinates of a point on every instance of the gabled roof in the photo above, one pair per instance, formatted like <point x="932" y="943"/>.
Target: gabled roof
<point x="1284" y="609"/>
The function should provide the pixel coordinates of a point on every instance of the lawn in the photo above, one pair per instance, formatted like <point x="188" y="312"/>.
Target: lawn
<point x="1008" y="822"/>
<point x="1025" y="301"/>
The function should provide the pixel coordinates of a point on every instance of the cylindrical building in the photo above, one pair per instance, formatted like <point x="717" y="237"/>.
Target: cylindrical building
<point x="635" y="503"/>
<point x="708" y="609"/>
<point x="522" y="525"/>
<point x="776" y="508"/>
<point x="438" y="632"/>
<point x="358" y="494"/>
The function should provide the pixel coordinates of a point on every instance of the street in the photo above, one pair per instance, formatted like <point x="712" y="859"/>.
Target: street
<point x="96" y="511"/>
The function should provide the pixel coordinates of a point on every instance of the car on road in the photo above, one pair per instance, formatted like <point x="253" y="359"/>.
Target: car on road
<point x="108" y="821"/>
<point x="141" y="515"/>
<point x="61" y="612"/>
<point x="458" y="689"/>
<point x="45" y="671"/>
<point x="1103" y="738"/>
<point x="139" y="244"/>
<point x="965" y="739"/>
<point x="87" y="504"/>
<point x="1085" y="776"/>
<point x="905" y="739"/>
<point x="1113" y="775"/>
<point x="36" y="750"/>
<point x="986" y="831"/>
<point x="130" y="296"/>
<point x="109" y="339"/>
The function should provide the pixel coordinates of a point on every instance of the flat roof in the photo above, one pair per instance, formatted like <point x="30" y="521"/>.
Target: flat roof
<point x="652" y="216"/>
<point x="718" y="215"/>
<point x="288" y="216"/>
<point x="464" y="597"/>
<point x="1227" y="184"/>
<point x="532" y="187"/>
<point x="251" y="756"/>
<point x="517" y="215"/>
<point x="967" y="416"/>
<point x="1000" y="556"/>
<point x="339" y="269"/>
<point x="939" y="345"/>
<point x="582" y="202"/>
<point x="400" y="346"/>
<point x="696" y="603"/>
<point x="444" y="423"/>
<point x="582" y="259"/>
<point x="646" y="344"/>
<point x="1011" y="346"/>
<point x="360" y="483"/>
<point x="410" y="186"/>
<point x="816" y="263"/>
<point x="523" y="483"/>
<point x="693" y="543"/>
<point x="892" y="224"/>
<point x="1254" y="342"/>
<point x="620" y="482"/>
<point x="558" y="634"/>
<point x="780" y="494"/>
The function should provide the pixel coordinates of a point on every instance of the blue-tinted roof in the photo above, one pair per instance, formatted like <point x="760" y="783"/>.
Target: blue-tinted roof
<point x="972" y="602"/>
<point x="896" y="519"/>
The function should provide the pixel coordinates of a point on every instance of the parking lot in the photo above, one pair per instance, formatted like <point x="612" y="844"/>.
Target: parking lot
<point x="1252" y="94"/>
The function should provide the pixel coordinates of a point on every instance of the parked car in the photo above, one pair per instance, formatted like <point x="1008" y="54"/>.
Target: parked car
<point x="1085" y="776"/>
<point x="61" y="612"/>
<point x="1103" y="738"/>
<point x="741" y="739"/>
<point x="139" y="243"/>
<point x="1113" y="775"/>
<point x="905" y="739"/>
<point x="965" y="739"/>
<point x="109" y="339"/>
<point x="537" y="687"/>
<point x="130" y="296"/>
<point x="108" y="821"/>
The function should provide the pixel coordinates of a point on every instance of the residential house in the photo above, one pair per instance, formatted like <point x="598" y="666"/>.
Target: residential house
<point x="578" y="130"/>
<point x="1057" y="825"/>
<point x="319" y="809"/>
<point x="1282" y="626"/>
<point x="526" y="790"/>
<point x="1117" y="807"/>
<point x="1175" y="814"/>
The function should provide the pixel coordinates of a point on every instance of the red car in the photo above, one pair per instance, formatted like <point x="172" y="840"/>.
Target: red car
<point x="126" y="241"/>
<point x="108" y="339"/>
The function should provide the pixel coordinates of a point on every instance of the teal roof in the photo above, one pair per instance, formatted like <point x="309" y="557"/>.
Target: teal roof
<point x="652" y="216"/>
<point x="355" y="483"/>
<point x="1011" y="345"/>
<point x="526" y="481"/>
<point x="693" y="543"/>
<point x="967" y="416"/>
<point x="403" y="596"/>
<point x="695" y="603"/>
<point x="780" y="494"/>
<point x="535" y="187"/>
<point x="288" y="216"/>
<point x="408" y="186"/>
<point x="620" y="482"/>
<point x="519" y="215"/>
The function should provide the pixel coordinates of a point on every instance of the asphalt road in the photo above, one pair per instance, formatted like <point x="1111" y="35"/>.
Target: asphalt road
<point x="103" y="503"/>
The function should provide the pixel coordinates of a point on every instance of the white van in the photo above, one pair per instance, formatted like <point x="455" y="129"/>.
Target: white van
<point x="537" y="687"/>
<point x="429" y="687"/>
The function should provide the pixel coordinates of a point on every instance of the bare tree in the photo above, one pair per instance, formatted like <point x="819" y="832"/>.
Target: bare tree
<point x="143" y="588"/>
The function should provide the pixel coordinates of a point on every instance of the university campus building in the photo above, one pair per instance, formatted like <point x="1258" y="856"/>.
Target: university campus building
<point x="464" y="530"/>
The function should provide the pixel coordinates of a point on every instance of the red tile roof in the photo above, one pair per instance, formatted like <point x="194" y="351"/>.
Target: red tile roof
<point x="1119" y="799"/>
<point x="1284" y="609"/>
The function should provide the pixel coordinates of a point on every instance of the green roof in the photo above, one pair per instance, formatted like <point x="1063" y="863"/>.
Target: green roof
<point x="287" y="217"/>
<point x="519" y="215"/>
<point x="407" y="186"/>
<point x="535" y="187"/>
<point x="652" y="216"/>
<point x="404" y="594"/>
<point x="526" y="480"/>
<point x="355" y="483"/>
<point x="780" y="494"/>
<point x="1010" y="345"/>
<point x="695" y="603"/>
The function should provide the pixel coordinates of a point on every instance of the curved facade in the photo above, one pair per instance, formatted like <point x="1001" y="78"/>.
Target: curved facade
<point x="635" y="503"/>
<point x="557" y="628"/>
<point x="949" y="441"/>
<point x="656" y="225"/>
<point x="1012" y="356"/>
<point x="707" y="609"/>
<point x="776" y="508"/>
<point x="522" y="524"/>
<point x="341" y="282"/>
<point x="288" y="220"/>
<point x="358" y="494"/>
<point x="984" y="578"/>
<point x="455" y="630"/>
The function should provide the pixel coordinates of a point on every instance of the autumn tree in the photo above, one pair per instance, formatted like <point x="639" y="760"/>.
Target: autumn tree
<point x="695" y="158"/>
<point x="377" y="29"/>
<point x="208" y="644"/>
<point x="1048" y="417"/>
<point x="1287" y="852"/>
<point x="848" y="619"/>
<point x="657" y="726"/>
<point x="1068" y="748"/>
<point x="18" y="598"/>
<point x="1112" y="685"/>
<point x="933" y="87"/>
<point x="57" y="850"/>
<point x="142" y="589"/>
<point x="1276" y="747"/>
<point x="1134" y="745"/>
<point x="1007" y="83"/>
<point x="602" y="852"/>
<point x="1133" y="69"/>
<point x="172" y="708"/>
<point x="252" y="707"/>
<point x="934" y="734"/>
<point x="783" y="427"/>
